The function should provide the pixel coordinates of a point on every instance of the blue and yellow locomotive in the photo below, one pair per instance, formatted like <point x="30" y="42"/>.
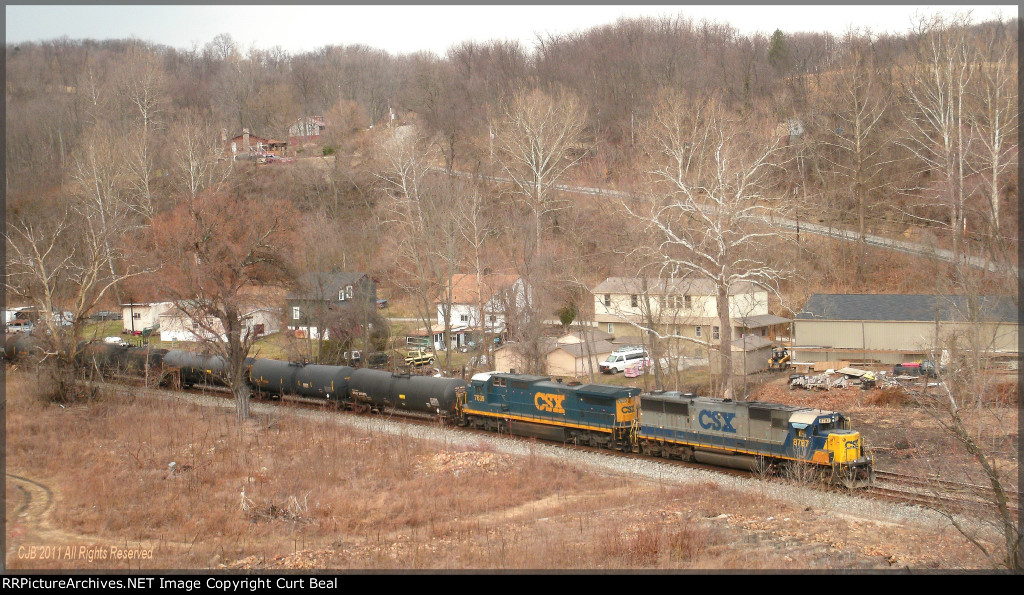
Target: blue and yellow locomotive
<point x="752" y="435"/>
<point x="590" y="414"/>
<point x="745" y="435"/>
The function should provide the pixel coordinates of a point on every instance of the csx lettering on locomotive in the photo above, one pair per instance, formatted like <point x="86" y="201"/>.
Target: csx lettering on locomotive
<point x="716" y="420"/>
<point x="549" y="402"/>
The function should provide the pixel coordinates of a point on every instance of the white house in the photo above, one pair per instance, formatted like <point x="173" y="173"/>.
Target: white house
<point x="139" y="317"/>
<point x="307" y="126"/>
<point x="480" y="306"/>
<point x="175" y="325"/>
<point x="685" y="307"/>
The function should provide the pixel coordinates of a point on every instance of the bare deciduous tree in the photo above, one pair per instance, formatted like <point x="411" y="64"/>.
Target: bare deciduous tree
<point x="476" y="229"/>
<point x="142" y="88"/>
<point x="99" y="181"/>
<point x="216" y="248"/>
<point x="857" y="137"/>
<point x="65" y="265"/>
<point x="965" y="405"/>
<point x="199" y="163"/>
<point x="435" y="95"/>
<point x="993" y="121"/>
<point x="537" y="138"/>
<point x="421" y="216"/>
<point x="707" y="212"/>
<point x="142" y="85"/>
<point x="936" y="131"/>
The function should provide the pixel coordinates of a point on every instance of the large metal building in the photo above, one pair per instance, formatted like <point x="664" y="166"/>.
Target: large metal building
<point x="891" y="329"/>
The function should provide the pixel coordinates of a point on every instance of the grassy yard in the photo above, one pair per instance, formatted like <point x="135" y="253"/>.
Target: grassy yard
<point x="97" y="330"/>
<point x="274" y="345"/>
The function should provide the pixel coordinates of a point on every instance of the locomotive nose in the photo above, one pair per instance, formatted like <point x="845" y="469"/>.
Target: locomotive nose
<point x="845" y="446"/>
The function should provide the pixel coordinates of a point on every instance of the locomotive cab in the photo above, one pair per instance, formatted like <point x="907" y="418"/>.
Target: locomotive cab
<point x="590" y="414"/>
<point x="828" y="440"/>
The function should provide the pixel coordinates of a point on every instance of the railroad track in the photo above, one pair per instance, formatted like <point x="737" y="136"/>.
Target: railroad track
<point x="899" y="488"/>
<point x="936" y="492"/>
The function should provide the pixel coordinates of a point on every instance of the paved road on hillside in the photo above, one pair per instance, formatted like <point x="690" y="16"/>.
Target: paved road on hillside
<point x="822" y="230"/>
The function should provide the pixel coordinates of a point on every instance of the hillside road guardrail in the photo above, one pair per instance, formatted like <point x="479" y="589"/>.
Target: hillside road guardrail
<point x="813" y="228"/>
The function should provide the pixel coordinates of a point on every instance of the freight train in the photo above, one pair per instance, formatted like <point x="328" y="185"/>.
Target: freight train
<point x="746" y="435"/>
<point x="721" y="432"/>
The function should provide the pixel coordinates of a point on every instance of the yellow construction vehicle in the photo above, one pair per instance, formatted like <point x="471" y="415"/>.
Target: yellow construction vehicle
<point x="780" y="358"/>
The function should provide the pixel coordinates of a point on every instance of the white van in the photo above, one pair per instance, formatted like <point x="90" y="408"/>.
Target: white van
<point x="618" y="361"/>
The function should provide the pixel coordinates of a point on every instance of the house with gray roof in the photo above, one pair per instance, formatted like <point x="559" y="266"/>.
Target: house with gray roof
<point x="891" y="329"/>
<point x="324" y="300"/>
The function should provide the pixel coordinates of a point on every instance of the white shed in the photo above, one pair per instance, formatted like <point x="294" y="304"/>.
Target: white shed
<point x="175" y="325"/>
<point x="138" y="317"/>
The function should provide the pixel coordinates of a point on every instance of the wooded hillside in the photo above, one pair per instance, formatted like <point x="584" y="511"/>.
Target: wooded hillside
<point x="430" y="166"/>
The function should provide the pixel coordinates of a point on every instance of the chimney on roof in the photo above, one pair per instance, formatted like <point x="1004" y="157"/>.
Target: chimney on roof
<point x="245" y="137"/>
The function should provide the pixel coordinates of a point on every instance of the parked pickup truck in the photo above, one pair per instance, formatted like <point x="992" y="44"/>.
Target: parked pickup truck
<point x="924" y="368"/>
<point x="419" y="358"/>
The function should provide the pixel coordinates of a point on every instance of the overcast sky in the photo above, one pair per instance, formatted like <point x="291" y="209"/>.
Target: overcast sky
<point x="406" y="29"/>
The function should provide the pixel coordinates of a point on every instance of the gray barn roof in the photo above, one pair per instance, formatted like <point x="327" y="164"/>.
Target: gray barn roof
<point x="902" y="308"/>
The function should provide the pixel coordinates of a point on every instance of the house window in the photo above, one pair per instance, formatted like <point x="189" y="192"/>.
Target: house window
<point x="633" y="300"/>
<point x="341" y="295"/>
<point x="348" y="291"/>
<point x="493" y="319"/>
<point x="295" y="313"/>
<point x="698" y="331"/>
<point x="607" y="300"/>
<point x="464" y="317"/>
<point x="137" y="315"/>
<point x="715" y="334"/>
<point x="611" y="329"/>
<point x="688" y="302"/>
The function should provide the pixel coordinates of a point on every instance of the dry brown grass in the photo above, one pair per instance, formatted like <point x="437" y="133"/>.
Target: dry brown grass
<point x="286" y="491"/>
<point x="1003" y="394"/>
<point x="888" y="397"/>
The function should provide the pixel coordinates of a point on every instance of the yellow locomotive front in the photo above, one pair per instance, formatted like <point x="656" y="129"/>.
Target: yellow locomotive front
<point x="850" y="463"/>
<point x="825" y="438"/>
